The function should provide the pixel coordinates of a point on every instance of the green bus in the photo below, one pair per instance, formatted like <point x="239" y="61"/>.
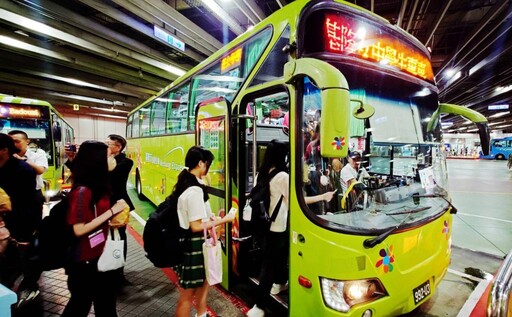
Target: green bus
<point x="46" y="128"/>
<point x="334" y="73"/>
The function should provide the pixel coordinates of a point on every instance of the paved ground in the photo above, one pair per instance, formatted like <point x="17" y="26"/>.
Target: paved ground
<point x="151" y="291"/>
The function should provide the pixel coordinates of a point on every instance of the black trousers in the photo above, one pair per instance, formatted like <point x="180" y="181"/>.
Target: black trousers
<point x="274" y="266"/>
<point x="88" y="286"/>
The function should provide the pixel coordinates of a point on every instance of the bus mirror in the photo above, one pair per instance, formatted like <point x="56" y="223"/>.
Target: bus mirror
<point x="335" y="98"/>
<point x="363" y="111"/>
<point x="470" y="114"/>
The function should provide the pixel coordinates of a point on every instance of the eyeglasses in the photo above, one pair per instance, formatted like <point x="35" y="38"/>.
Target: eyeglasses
<point x="112" y="144"/>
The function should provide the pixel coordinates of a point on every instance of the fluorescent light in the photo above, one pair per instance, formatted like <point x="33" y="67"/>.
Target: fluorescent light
<point x="220" y="13"/>
<point x="499" y="114"/>
<point x="54" y="33"/>
<point x="32" y="48"/>
<point x="110" y="109"/>
<point x="502" y="126"/>
<point x="84" y="98"/>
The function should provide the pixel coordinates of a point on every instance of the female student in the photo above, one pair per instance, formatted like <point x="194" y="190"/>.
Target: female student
<point x="89" y="213"/>
<point x="194" y="213"/>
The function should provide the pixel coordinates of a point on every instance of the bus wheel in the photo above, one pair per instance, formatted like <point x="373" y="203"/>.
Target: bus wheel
<point x="138" y="186"/>
<point x="500" y="157"/>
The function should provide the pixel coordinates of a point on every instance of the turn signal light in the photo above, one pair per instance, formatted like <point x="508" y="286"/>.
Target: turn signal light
<point x="304" y="281"/>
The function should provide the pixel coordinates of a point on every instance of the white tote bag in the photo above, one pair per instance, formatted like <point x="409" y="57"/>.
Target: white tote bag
<point x="212" y="253"/>
<point x="112" y="257"/>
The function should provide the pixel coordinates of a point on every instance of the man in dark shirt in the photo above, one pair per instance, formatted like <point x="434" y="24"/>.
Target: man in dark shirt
<point x="118" y="178"/>
<point x="18" y="179"/>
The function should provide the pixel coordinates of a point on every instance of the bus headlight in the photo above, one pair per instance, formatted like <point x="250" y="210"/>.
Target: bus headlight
<point x="342" y="295"/>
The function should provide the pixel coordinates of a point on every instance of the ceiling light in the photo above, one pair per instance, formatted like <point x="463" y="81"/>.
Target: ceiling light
<point x="112" y="109"/>
<point x="500" y="114"/>
<point x="502" y="126"/>
<point x="54" y="33"/>
<point x="450" y="72"/>
<point x="32" y="48"/>
<point x="221" y="14"/>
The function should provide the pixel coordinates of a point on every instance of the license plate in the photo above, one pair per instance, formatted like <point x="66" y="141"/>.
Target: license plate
<point x="421" y="292"/>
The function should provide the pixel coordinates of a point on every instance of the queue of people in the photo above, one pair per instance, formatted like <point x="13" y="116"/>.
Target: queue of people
<point x="99" y="172"/>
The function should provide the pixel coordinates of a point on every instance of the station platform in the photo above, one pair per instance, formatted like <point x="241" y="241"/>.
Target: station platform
<point x="150" y="291"/>
<point x="481" y="190"/>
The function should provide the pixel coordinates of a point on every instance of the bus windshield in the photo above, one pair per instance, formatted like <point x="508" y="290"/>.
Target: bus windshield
<point x="397" y="170"/>
<point x="33" y="120"/>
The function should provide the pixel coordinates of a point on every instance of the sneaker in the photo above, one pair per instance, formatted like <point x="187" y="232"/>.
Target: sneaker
<point x="255" y="311"/>
<point x="26" y="296"/>
<point x="278" y="288"/>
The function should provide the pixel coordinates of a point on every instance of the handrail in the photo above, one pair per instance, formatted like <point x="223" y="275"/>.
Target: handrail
<point x="499" y="297"/>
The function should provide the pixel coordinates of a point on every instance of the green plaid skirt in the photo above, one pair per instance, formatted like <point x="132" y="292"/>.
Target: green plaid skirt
<point x="191" y="270"/>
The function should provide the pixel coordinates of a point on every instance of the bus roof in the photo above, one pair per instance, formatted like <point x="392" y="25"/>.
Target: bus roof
<point x="289" y="14"/>
<point x="23" y="101"/>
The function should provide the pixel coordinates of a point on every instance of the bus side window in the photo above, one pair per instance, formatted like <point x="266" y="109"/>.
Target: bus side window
<point x="275" y="105"/>
<point x="177" y="110"/>
<point x="158" y="117"/>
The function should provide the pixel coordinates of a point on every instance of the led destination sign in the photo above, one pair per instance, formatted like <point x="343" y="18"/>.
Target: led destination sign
<point x="341" y="33"/>
<point x="18" y="112"/>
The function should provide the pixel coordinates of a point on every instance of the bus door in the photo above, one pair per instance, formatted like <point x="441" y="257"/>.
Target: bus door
<point x="263" y="115"/>
<point x="212" y="132"/>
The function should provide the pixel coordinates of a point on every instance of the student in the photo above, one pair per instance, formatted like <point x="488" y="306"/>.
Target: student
<point x="194" y="212"/>
<point x="274" y="270"/>
<point x="89" y="213"/>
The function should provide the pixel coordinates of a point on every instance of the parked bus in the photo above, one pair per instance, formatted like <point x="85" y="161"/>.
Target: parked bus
<point x="501" y="149"/>
<point x="46" y="129"/>
<point x="347" y="76"/>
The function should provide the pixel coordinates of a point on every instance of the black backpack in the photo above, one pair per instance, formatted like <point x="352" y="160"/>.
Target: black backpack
<point x="162" y="234"/>
<point x="55" y="237"/>
<point x="260" y="204"/>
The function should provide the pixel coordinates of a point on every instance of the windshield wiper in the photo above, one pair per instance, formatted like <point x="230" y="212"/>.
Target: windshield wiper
<point x="408" y="211"/>
<point x="371" y="242"/>
<point x="453" y="210"/>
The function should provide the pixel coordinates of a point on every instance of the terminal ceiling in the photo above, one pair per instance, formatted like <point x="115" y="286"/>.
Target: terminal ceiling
<point x="103" y="54"/>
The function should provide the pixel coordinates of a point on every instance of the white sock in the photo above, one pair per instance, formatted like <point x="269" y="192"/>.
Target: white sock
<point x="203" y="315"/>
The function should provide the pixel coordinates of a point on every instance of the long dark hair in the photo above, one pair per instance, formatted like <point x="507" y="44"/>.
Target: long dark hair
<point x="90" y="169"/>
<point x="186" y="179"/>
<point x="275" y="157"/>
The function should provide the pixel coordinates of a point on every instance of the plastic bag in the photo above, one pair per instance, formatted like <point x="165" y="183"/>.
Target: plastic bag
<point x="212" y="253"/>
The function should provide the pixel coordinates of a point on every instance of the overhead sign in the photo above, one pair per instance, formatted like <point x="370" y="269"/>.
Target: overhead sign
<point x="498" y="107"/>
<point x="168" y="38"/>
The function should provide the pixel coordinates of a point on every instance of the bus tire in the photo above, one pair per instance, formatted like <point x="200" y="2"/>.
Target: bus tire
<point x="138" y="187"/>
<point x="500" y="156"/>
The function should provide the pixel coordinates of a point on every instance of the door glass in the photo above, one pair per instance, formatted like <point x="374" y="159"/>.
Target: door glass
<point x="211" y="132"/>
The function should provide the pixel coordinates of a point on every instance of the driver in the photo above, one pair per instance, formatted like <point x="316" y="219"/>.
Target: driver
<point x="352" y="172"/>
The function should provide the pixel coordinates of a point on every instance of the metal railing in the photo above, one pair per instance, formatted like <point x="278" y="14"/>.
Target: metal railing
<point x="498" y="304"/>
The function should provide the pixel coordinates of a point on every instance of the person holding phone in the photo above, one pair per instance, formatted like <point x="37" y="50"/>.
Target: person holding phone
<point x="194" y="213"/>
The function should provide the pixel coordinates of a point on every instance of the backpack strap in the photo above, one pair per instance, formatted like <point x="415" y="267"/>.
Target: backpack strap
<point x="278" y="206"/>
<point x="276" y="210"/>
